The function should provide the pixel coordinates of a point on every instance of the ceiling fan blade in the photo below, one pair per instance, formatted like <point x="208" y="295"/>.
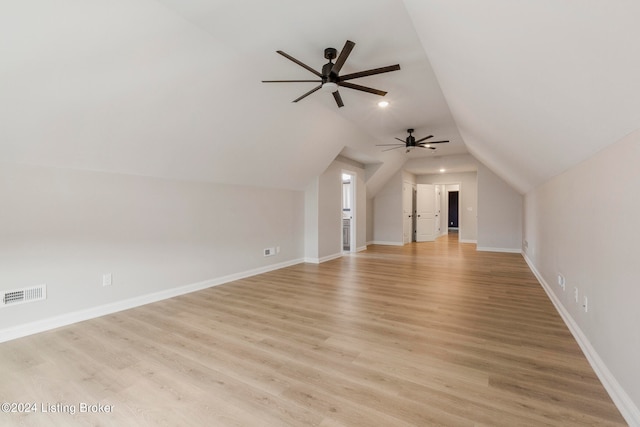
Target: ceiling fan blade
<point x="303" y="65"/>
<point x="344" y="54"/>
<point x="308" y="93"/>
<point x="402" y="140"/>
<point x="435" y="142"/>
<point x="430" y="148"/>
<point x="382" y="145"/>
<point x="422" y="139"/>
<point x="370" y="72"/>
<point x="362" y="88"/>
<point x="292" y="81"/>
<point x="394" y="148"/>
<point x="338" y="98"/>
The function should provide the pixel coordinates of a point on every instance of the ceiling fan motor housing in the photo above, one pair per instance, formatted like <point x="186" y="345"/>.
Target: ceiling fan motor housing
<point x="327" y="74"/>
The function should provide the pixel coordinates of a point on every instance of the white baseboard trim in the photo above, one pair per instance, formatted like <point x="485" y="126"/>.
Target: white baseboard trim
<point x="380" y="242"/>
<point x="505" y="250"/>
<point x="361" y="248"/>
<point x="468" y="241"/>
<point x="621" y="399"/>
<point x="323" y="259"/>
<point x="43" y="325"/>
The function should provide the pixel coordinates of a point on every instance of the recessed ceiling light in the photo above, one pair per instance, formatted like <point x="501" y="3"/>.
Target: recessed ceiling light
<point x="383" y="104"/>
<point x="443" y="170"/>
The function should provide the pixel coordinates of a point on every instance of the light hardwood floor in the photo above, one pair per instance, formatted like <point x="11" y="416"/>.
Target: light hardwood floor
<point x="421" y="335"/>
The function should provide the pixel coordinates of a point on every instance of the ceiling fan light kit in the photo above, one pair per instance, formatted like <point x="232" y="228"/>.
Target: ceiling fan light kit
<point x="330" y="79"/>
<point x="329" y="87"/>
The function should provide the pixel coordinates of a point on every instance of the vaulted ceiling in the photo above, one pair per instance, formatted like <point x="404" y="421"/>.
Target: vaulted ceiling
<point x="172" y="88"/>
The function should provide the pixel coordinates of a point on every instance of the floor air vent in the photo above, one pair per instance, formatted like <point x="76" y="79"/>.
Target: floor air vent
<point x="19" y="296"/>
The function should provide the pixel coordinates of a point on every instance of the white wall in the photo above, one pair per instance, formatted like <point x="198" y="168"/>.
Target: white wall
<point x="311" y="220"/>
<point x="468" y="200"/>
<point x="387" y="212"/>
<point x="499" y="214"/>
<point x="584" y="225"/>
<point x="370" y="220"/>
<point x="67" y="228"/>
<point x="408" y="177"/>
<point x="330" y="213"/>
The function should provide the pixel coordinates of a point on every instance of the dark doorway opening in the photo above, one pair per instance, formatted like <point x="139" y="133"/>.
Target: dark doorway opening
<point x="453" y="210"/>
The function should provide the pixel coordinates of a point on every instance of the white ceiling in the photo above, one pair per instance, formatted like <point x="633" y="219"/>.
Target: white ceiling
<point x="535" y="86"/>
<point x="171" y="88"/>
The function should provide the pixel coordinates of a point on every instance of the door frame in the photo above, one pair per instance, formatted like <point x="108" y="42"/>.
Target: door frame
<point x="459" y="184"/>
<point x="352" y="199"/>
<point x="410" y="219"/>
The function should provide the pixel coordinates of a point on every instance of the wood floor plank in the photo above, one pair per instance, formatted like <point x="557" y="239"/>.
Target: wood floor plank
<point x="426" y="334"/>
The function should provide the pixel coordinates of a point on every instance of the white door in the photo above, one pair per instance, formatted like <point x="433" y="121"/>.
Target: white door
<point x="425" y="208"/>
<point x="407" y="214"/>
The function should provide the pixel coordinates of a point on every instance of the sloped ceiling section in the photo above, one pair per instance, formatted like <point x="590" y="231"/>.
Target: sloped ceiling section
<point x="132" y="87"/>
<point x="172" y="88"/>
<point x="535" y="86"/>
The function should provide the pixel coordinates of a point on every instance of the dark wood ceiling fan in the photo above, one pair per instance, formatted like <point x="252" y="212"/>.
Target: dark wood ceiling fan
<point x="330" y="78"/>
<point x="411" y="142"/>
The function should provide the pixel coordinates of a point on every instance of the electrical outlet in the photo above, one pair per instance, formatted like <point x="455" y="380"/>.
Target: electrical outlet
<point x="269" y="251"/>
<point x="107" y="279"/>
<point x="575" y="293"/>
<point x="586" y="305"/>
<point x="277" y="249"/>
<point x="561" y="281"/>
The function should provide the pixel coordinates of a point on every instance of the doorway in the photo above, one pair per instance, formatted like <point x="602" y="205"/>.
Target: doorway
<point x="452" y="222"/>
<point x="348" y="212"/>
<point x="408" y="208"/>
<point x="443" y="217"/>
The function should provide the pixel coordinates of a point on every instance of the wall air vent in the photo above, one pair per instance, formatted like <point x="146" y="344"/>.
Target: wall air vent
<point x="19" y="296"/>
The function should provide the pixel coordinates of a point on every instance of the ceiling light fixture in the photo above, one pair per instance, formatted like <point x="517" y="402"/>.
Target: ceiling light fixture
<point x="411" y="142"/>
<point x="329" y="87"/>
<point x="331" y="74"/>
<point x="442" y="170"/>
<point x="383" y="104"/>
